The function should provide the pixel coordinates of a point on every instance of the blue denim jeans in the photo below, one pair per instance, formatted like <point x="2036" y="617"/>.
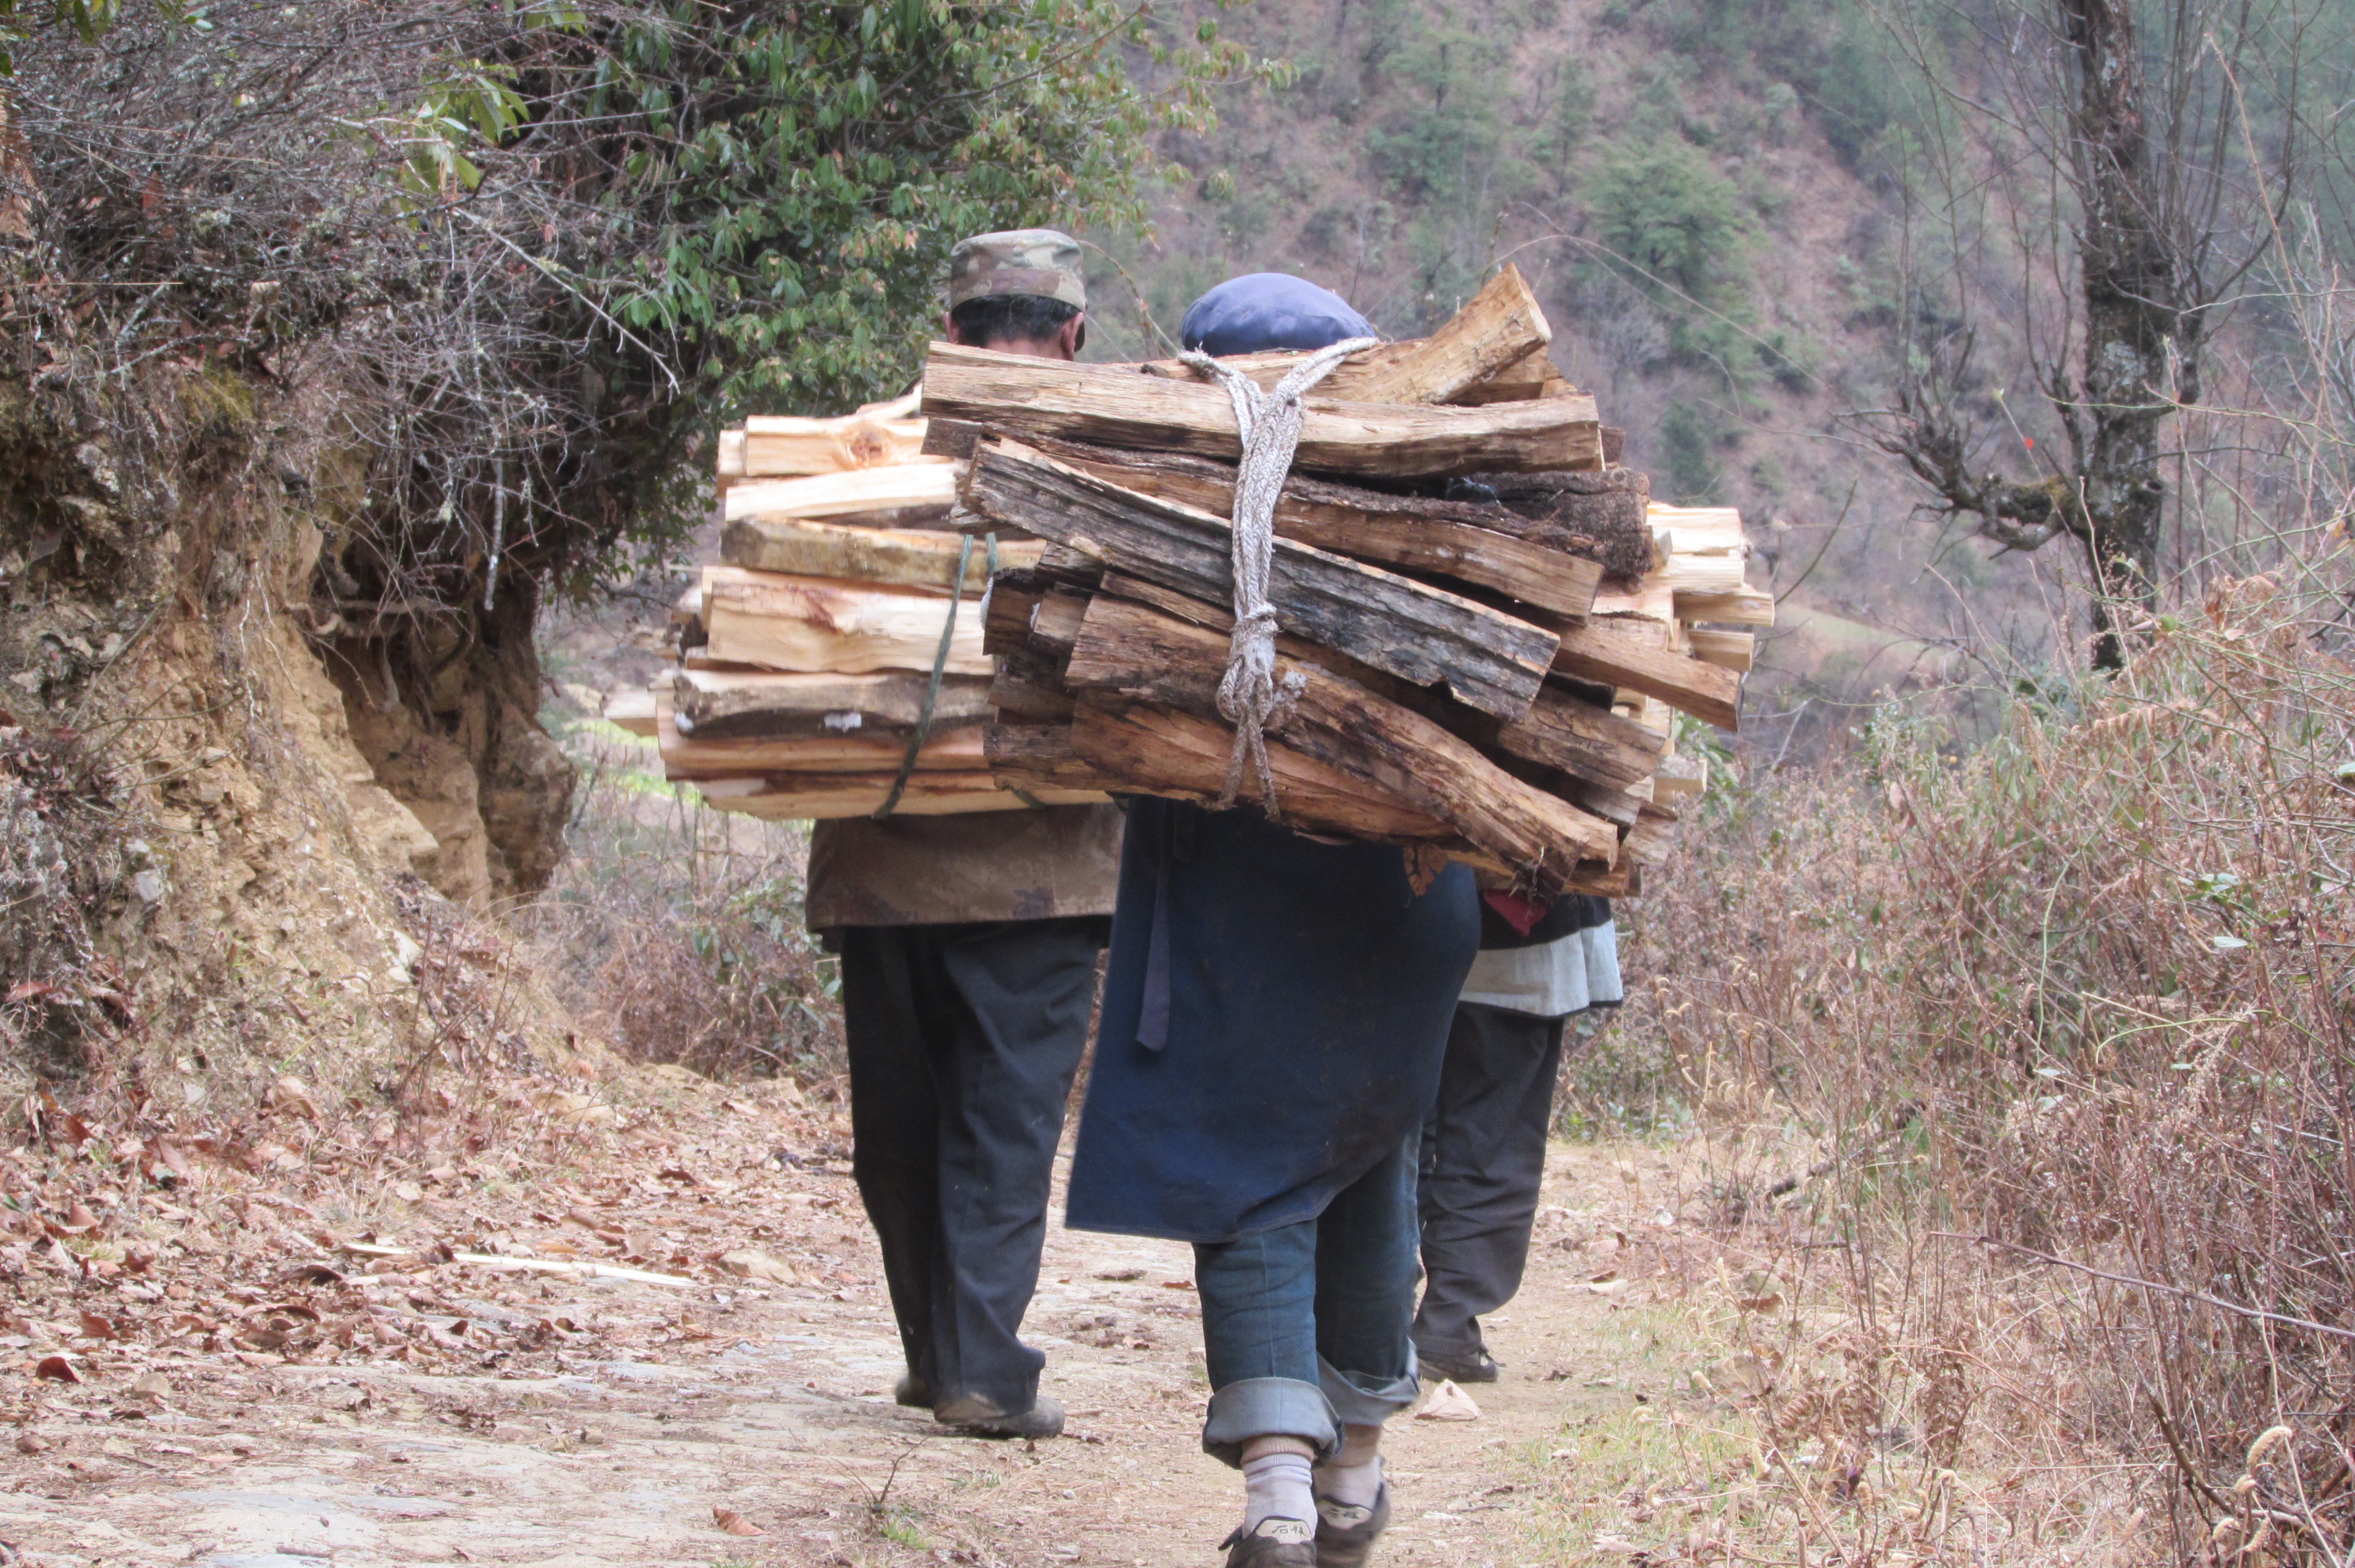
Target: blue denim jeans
<point x="1305" y="1326"/>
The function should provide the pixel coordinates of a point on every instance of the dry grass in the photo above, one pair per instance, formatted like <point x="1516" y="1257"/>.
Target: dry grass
<point x="676" y="931"/>
<point x="2028" y="1073"/>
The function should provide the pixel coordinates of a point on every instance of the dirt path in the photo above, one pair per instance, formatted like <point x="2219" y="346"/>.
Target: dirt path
<point x="770" y="1401"/>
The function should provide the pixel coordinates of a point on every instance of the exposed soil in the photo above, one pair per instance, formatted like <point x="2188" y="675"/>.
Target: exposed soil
<point x="255" y="1394"/>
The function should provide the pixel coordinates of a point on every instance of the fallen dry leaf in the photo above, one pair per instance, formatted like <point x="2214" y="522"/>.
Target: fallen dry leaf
<point x="1120" y="1276"/>
<point x="1448" y="1402"/>
<point x="79" y="1219"/>
<point x="31" y="1443"/>
<point x="98" y="1327"/>
<point x="750" y="1263"/>
<point x="294" y="1096"/>
<point x="56" y="1368"/>
<point x="735" y="1523"/>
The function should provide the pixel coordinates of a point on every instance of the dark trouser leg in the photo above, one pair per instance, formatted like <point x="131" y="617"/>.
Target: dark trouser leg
<point x="894" y="1010"/>
<point x="1483" y="1162"/>
<point x="1025" y="990"/>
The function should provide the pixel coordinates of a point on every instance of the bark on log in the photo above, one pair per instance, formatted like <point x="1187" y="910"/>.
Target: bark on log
<point x="1032" y="758"/>
<point x="1111" y="406"/>
<point x="1410" y="533"/>
<point x="1563" y="729"/>
<point x="1609" y="508"/>
<point x="1142" y="653"/>
<point x="1416" y="632"/>
<point x="1147" y="748"/>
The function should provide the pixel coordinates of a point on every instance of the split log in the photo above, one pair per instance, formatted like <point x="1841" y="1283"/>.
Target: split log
<point x="1416" y="632"/>
<point x="1634" y="654"/>
<point x="1029" y="686"/>
<point x="816" y="798"/>
<point x="1448" y="538"/>
<point x="1113" y="405"/>
<point x="1531" y="375"/>
<point x="1153" y="657"/>
<point x="633" y="709"/>
<point x="1561" y="730"/>
<point x="1583" y="740"/>
<point x="715" y="704"/>
<point x="1735" y="650"/>
<point x="695" y="755"/>
<point x="925" y="483"/>
<point x="1681" y="778"/>
<point x="893" y="557"/>
<point x="1032" y="758"/>
<point x="780" y="448"/>
<point x="1147" y="748"/>
<point x="821" y="624"/>
<point x="1746" y="607"/>
<point x="1501" y="328"/>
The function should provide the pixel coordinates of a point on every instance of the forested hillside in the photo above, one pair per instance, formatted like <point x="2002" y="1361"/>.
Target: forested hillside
<point x="1758" y="229"/>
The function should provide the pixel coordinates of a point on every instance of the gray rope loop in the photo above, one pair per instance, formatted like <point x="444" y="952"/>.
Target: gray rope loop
<point x="1250" y="696"/>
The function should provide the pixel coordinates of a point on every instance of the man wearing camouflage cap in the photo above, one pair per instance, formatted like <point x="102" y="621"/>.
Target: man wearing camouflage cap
<point x="968" y="948"/>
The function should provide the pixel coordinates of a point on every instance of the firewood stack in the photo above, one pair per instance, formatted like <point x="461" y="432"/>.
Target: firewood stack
<point x="808" y="653"/>
<point x="1485" y="670"/>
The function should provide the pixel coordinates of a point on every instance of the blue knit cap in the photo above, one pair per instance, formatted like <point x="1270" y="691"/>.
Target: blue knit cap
<point x="1263" y="310"/>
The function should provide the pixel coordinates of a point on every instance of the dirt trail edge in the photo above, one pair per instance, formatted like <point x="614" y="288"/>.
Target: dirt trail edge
<point x="739" y="1423"/>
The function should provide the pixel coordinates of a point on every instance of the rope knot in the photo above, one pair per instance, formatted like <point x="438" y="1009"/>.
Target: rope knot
<point x="1250" y="695"/>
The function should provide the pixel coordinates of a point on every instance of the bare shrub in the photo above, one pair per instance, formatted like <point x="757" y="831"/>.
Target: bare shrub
<point x="676" y="930"/>
<point x="2059" y="1039"/>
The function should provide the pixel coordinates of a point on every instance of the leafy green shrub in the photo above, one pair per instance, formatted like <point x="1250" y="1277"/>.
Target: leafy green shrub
<point x="1663" y="209"/>
<point x="1692" y="435"/>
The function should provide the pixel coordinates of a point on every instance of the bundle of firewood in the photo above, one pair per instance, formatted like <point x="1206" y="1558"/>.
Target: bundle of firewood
<point x="809" y="653"/>
<point x="1483" y="623"/>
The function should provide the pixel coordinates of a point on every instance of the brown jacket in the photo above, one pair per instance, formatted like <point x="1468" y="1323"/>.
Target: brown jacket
<point x="984" y="865"/>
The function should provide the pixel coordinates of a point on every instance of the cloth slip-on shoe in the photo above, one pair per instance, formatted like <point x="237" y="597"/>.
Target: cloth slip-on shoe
<point x="1345" y="1535"/>
<point x="1475" y="1365"/>
<point x="977" y="1417"/>
<point x="1276" y="1543"/>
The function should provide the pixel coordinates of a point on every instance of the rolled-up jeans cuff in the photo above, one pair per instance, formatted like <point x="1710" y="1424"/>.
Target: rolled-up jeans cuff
<point x="1268" y="1407"/>
<point x="1358" y="1400"/>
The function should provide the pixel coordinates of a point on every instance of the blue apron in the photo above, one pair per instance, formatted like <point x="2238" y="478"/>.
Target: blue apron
<point x="1274" y="1014"/>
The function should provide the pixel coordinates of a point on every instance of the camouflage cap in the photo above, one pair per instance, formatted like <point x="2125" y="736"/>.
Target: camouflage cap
<point x="1041" y="262"/>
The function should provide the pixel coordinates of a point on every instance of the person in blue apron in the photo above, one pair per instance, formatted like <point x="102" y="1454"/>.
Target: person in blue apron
<point x="1275" y="1010"/>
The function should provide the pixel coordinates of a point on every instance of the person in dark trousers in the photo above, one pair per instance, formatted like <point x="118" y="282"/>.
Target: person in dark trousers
<point x="1483" y="1145"/>
<point x="1275" y="1008"/>
<point x="968" y="947"/>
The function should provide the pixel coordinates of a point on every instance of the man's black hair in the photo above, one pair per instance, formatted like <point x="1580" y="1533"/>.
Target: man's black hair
<point x="992" y="319"/>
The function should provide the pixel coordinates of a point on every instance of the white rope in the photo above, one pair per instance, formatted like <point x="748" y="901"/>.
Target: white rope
<point x="1269" y="422"/>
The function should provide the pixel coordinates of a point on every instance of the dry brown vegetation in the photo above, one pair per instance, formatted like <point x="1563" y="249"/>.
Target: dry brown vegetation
<point x="2027" y="1072"/>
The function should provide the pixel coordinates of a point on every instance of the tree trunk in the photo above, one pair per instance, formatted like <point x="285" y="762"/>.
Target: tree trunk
<point x="2141" y="346"/>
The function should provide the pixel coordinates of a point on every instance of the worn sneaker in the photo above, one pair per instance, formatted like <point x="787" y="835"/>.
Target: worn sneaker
<point x="1475" y="1365"/>
<point x="1345" y="1535"/>
<point x="1276" y="1543"/>
<point x="977" y="1417"/>
<point x="910" y="1392"/>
